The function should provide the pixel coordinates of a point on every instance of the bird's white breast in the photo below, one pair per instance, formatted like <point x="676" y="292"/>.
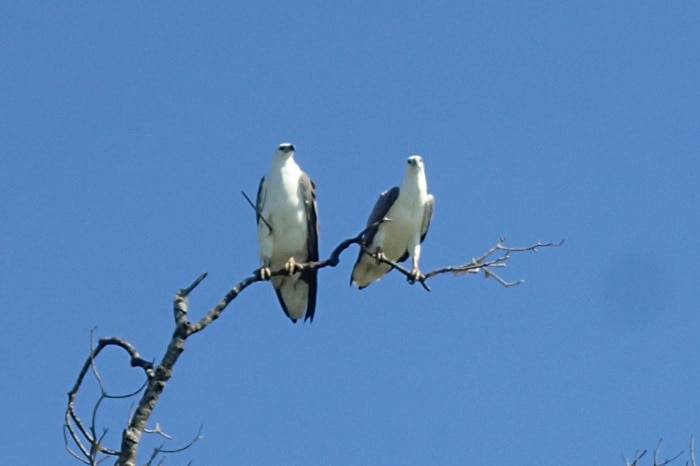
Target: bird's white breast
<point x="285" y="210"/>
<point x="406" y="217"/>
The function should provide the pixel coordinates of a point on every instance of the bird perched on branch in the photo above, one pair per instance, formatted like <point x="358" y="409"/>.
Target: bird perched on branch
<point x="288" y="229"/>
<point x="407" y="210"/>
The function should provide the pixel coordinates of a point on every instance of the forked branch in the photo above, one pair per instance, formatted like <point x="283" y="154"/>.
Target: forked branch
<point x="85" y="438"/>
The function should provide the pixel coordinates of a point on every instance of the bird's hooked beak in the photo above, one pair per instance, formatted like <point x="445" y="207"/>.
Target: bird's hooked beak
<point x="286" y="147"/>
<point x="414" y="161"/>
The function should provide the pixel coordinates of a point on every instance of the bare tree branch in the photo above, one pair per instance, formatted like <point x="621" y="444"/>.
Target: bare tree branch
<point x="655" y="456"/>
<point x="666" y="461"/>
<point x="85" y="438"/>
<point x="89" y="444"/>
<point x="485" y="262"/>
<point x="692" y="452"/>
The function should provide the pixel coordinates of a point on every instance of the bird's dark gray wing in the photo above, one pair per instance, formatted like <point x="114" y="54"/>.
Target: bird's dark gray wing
<point x="307" y="189"/>
<point x="427" y="217"/>
<point x="260" y="199"/>
<point x="280" y="298"/>
<point x="379" y="211"/>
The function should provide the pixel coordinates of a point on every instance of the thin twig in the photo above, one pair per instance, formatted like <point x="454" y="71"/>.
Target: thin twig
<point x="189" y="444"/>
<point x="637" y="457"/>
<point x="257" y="211"/>
<point x="482" y="264"/>
<point x="66" y="428"/>
<point x="158" y="450"/>
<point x="186" y="291"/>
<point x="158" y="431"/>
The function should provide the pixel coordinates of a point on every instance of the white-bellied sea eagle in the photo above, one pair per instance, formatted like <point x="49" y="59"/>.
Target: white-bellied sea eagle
<point x="408" y="209"/>
<point x="288" y="233"/>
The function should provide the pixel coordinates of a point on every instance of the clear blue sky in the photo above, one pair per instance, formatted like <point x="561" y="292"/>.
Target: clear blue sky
<point x="128" y="131"/>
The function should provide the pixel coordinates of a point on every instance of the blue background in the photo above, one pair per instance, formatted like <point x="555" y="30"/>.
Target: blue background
<point x="128" y="130"/>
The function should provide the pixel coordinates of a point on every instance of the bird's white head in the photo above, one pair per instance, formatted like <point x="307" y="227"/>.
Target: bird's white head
<point x="415" y="162"/>
<point x="285" y="150"/>
<point x="414" y="175"/>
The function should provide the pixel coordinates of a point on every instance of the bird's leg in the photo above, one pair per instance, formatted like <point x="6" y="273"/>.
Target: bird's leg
<point x="416" y="275"/>
<point x="379" y="255"/>
<point x="414" y="252"/>
<point x="379" y="242"/>
<point x="266" y="248"/>
<point x="291" y="266"/>
<point x="264" y="272"/>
